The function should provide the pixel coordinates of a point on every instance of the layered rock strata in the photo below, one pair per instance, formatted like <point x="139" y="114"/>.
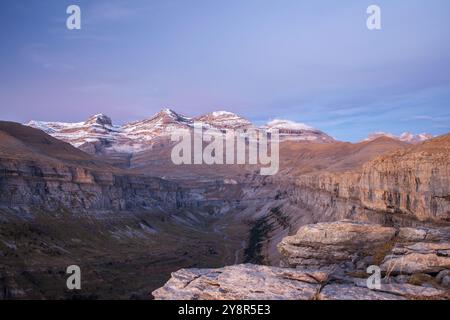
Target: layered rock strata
<point x="411" y="182"/>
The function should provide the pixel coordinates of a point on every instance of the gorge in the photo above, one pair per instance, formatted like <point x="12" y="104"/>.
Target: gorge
<point x="130" y="219"/>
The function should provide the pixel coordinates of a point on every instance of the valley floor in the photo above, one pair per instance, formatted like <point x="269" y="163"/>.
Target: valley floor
<point x="123" y="256"/>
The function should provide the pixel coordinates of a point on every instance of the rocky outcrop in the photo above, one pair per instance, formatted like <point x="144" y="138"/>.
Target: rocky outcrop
<point x="242" y="282"/>
<point x="419" y="251"/>
<point x="329" y="261"/>
<point x="351" y="246"/>
<point x="253" y="282"/>
<point x="326" y="244"/>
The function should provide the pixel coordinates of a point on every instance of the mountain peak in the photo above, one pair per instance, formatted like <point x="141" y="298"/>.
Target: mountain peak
<point x="100" y="118"/>
<point x="168" y="111"/>
<point x="170" y="115"/>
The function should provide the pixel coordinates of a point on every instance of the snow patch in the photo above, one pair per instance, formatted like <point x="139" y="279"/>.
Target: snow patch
<point x="288" y="124"/>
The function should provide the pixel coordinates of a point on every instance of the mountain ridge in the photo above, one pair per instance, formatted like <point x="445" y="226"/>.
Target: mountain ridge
<point x="407" y="137"/>
<point x="98" y="135"/>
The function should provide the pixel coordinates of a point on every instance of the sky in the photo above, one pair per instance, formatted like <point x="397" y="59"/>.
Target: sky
<point x="313" y="62"/>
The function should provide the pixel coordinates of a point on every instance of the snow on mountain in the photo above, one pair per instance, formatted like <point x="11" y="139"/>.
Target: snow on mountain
<point x="98" y="135"/>
<point x="415" y="138"/>
<point x="94" y="128"/>
<point x="163" y="123"/>
<point x="405" y="137"/>
<point x="51" y="127"/>
<point x="224" y="120"/>
<point x="99" y="119"/>
<point x="288" y="125"/>
<point x="290" y="130"/>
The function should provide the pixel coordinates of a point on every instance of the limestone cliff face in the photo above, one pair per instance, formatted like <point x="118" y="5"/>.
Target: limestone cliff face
<point x="412" y="182"/>
<point x="55" y="186"/>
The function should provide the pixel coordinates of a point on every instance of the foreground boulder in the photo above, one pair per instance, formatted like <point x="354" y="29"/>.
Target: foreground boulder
<point x="334" y="243"/>
<point x="242" y="282"/>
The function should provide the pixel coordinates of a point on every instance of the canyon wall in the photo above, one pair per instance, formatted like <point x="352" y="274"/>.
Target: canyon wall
<point x="55" y="186"/>
<point x="411" y="183"/>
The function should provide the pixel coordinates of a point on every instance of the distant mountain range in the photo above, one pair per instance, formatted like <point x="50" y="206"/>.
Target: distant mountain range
<point x="98" y="134"/>
<point x="405" y="137"/>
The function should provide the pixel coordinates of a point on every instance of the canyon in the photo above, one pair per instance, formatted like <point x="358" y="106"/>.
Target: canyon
<point x="109" y="199"/>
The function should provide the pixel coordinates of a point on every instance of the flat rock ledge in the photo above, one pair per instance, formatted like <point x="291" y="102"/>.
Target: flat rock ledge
<point x="242" y="282"/>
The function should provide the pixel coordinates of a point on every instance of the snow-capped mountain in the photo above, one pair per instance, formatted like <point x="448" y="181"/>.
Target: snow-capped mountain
<point x="405" y="137"/>
<point x="94" y="128"/>
<point x="290" y="130"/>
<point x="98" y="135"/>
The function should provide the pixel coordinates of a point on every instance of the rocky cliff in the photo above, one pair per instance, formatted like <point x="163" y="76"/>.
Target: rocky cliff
<point x="411" y="182"/>
<point x="58" y="186"/>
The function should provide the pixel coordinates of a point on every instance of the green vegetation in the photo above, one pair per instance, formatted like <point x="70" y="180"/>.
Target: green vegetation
<point x="258" y="233"/>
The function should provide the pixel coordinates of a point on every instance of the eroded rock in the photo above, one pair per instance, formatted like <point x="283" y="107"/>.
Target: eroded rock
<point x="245" y="281"/>
<point x="333" y="243"/>
<point x="421" y="257"/>
<point x="419" y="250"/>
